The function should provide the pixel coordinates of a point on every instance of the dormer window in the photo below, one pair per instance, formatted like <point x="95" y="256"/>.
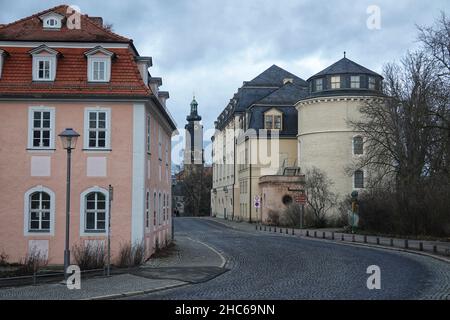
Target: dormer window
<point x="355" y="82"/>
<point x="335" y="82"/>
<point x="52" y="20"/>
<point x="273" y="120"/>
<point x="44" y="63"/>
<point x="99" y="64"/>
<point x="2" y="58"/>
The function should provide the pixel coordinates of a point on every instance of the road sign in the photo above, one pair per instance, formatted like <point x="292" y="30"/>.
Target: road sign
<point x="257" y="202"/>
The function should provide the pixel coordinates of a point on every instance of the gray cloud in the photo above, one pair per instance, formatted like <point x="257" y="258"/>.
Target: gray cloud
<point x="210" y="47"/>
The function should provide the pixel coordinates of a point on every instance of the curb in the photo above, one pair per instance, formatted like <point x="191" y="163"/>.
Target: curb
<point x="368" y="245"/>
<point x="224" y="260"/>
<point x="136" y="293"/>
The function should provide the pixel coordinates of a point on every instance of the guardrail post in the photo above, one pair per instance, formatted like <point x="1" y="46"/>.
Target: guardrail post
<point x="274" y="229"/>
<point x="392" y="242"/>
<point x="315" y="234"/>
<point x="307" y="233"/>
<point x="378" y="240"/>
<point x="332" y="236"/>
<point x="353" y="238"/>
<point x="421" y="246"/>
<point x="406" y="243"/>
<point x="34" y="278"/>
<point x="323" y="235"/>
<point x="365" y="239"/>
<point x="281" y="230"/>
<point x="435" y="248"/>
<point x="270" y="229"/>
<point x="342" y="237"/>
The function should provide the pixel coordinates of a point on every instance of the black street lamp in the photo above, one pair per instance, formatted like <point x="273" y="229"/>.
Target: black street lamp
<point x="69" y="139"/>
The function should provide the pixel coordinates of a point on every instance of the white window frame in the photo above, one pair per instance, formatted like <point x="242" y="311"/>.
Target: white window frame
<point x="352" y="82"/>
<point x="26" y="212"/>
<point x="149" y="134"/>
<point x="107" y="128"/>
<point x="147" y="210"/>
<point x="364" y="179"/>
<point x="91" y="61"/>
<point x="2" y="58"/>
<point x="31" y="111"/>
<point x="353" y="145"/>
<point x="335" y="84"/>
<point x="83" y="195"/>
<point x="52" y="65"/>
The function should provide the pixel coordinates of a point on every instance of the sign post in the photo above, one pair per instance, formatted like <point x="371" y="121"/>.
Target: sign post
<point x="111" y="195"/>
<point x="301" y="199"/>
<point x="257" y="204"/>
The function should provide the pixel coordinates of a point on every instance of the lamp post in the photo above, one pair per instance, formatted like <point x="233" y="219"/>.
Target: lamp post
<point x="69" y="139"/>
<point x="354" y="196"/>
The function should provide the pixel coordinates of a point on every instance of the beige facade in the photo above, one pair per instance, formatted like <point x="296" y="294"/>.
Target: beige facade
<point x="325" y="138"/>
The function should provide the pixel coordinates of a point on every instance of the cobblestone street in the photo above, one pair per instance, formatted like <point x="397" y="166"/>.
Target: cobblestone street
<point x="278" y="266"/>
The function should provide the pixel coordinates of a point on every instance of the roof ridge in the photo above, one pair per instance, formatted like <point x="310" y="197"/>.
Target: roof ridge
<point x="34" y="15"/>
<point x="61" y="6"/>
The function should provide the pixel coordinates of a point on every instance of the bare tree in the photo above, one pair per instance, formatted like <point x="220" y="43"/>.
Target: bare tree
<point x="319" y="197"/>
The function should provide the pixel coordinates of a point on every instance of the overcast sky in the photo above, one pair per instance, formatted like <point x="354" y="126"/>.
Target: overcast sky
<point x="210" y="47"/>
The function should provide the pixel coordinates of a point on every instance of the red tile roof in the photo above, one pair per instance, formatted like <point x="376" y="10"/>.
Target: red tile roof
<point x="71" y="75"/>
<point x="31" y="29"/>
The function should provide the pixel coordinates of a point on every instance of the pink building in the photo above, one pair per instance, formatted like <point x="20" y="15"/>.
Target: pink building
<point x="61" y="69"/>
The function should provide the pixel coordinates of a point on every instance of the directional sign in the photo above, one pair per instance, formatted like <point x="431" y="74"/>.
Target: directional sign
<point x="301" y="198"/>
<point x="257" y="202"/>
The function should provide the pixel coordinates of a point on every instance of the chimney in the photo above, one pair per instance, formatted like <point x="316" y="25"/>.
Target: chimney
<point x="97" y="20"/>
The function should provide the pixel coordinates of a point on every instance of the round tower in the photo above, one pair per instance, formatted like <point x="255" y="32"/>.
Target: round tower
<point x="326" y="140"/>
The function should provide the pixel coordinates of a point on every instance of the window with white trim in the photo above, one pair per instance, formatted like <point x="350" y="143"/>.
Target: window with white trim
<point x="154" y="208"/>
<point x="147" y="209"/>
<point x="358" y="145"/>
<point x="335" y="82"/>
<point x="273" y="122"/>
<point x="358" y="179"/>
<point x="97" y="128"/>
<point x="95" y="212"/>
<point x="41" y="128"/>
<point x="159" y="208"/>
<point x="39" y="212"/>
<point x="355" y="82"/>
<point x="44" y="68"/>
<point x="149" y="141"/>
<point x="159" y="144"/>
<point x="99" y="69"/>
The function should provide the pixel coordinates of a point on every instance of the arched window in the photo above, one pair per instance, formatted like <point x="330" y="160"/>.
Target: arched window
<point x="39" y="211"/>
<point x="358" y="145"/>
<point x="358" y="179"/>
<point x="39" y="219"/>
<point x="95" y="212"/>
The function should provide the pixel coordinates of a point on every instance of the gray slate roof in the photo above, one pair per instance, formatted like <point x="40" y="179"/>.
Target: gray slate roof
<point x="289" y="94"/>
<point x="274" y="76"/>
<point x="344" y="66"/>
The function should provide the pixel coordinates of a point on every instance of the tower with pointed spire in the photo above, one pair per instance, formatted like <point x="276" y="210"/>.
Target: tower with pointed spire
<point x="193" y="152"/>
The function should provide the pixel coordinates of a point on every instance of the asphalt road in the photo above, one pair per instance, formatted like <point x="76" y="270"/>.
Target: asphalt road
<point x="274" y="266"/>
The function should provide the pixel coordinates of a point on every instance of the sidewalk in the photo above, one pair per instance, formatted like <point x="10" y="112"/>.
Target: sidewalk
<point x="190" y="262"/>
<point x="435" y="248"/>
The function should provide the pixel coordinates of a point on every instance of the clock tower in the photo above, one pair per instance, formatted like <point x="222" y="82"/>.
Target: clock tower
<point x="193" y="152"/>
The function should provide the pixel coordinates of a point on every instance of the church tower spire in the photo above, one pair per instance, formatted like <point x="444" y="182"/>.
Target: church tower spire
<point x="193" y="152"/>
